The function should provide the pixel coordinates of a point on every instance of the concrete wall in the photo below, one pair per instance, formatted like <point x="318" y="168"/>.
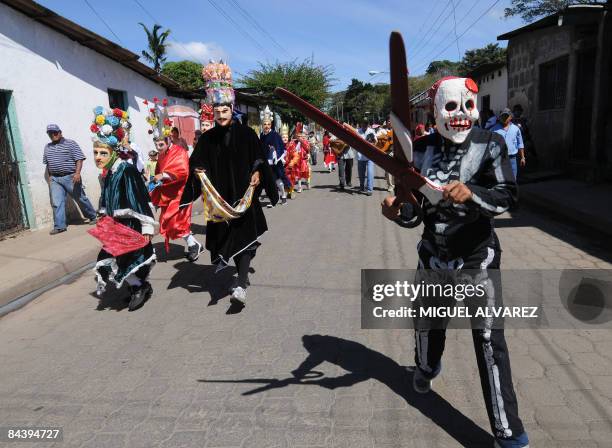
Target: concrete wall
<point x="551" y="130"/>
<point x="494" y="84"/>
<point x="56" y="80"/>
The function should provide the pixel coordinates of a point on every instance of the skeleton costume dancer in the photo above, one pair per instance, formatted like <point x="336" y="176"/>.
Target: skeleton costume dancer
<point x="232" y="157"/>
<point x="472" y="165"/>
<point x="124" y="198"/>
<point x="276" y="154"/>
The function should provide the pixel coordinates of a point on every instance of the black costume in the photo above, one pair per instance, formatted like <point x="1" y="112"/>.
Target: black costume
<point x="462" y="236"/>
<point x="230" y="155"/>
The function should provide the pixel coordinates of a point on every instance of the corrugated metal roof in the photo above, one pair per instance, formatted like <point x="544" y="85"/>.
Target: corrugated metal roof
<point x="89" y="39"/>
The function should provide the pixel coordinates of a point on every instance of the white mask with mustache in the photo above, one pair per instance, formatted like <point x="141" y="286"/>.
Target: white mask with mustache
<point x="455" y="108"/>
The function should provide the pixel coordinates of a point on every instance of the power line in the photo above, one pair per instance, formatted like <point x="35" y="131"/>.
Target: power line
<point x="155" y="21"/>
<point x="444" y="39"/>
<point x="250" y="18"/>
<point x="244" y="32"/>
<point x="425" y="44"/>
<point x="465" y="32"/>
<point x="455" y="29"/>
<point x="433" y="23"/>
<point x="104" y="22"/>
<point x="412" y="44"/>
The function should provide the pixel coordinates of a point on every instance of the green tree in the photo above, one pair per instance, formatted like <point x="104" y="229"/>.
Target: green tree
<point x="492" y="53"/>
<point x="187" y="73"/>
<point x="157" y="46"/>
<point x="529" y="10"/>
<point x="443" y="68"/>
<point x="305" y="79"/>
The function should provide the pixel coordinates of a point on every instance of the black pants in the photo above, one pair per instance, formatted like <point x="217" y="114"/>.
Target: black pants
<point x="345" y="171"/>
<point x="489" y="344"/>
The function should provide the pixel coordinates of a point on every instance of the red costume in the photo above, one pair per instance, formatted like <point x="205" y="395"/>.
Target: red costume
<point x="297" y="160"/>
<point x="330" y="156"/>
<point x="174" y="223"/>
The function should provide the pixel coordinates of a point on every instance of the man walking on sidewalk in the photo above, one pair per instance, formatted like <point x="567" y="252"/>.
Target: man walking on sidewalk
<point x="64" y="160"/>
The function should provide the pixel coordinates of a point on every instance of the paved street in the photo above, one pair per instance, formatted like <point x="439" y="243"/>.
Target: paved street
<point x="185" y="371"/>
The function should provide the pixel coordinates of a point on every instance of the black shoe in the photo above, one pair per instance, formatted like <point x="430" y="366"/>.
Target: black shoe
<point x="91" y="221"/>
<point x="283" y="201"/>
<point x="56" y="231"/>
<point x="139" y="295"/>
<point x="193" y="252"/>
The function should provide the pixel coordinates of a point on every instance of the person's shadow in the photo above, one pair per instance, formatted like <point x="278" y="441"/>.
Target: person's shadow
<point x="196" y="278"/>
<point x="113" y="298"/>
<point x="362" y="364"/>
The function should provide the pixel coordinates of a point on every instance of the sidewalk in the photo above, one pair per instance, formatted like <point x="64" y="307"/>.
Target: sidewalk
<point x="581" y="204"/>
<point x="34" y="259"/>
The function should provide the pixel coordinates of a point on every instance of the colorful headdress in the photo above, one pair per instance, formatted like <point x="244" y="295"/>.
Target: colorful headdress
<point x="285" y="131"/>
<point x="219" y="84"/>
<point x="158" y="119"/>
<point x="110" y="127"/>
<point x="206" y="112"/>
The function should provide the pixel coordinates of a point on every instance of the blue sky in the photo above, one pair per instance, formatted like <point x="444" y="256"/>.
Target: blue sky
<point x="350" y="35"/>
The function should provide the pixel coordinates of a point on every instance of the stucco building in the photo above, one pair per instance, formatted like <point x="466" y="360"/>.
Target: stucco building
<point x="559" y="73"/>
<point x="492" y="80"/>
<point x="55" y="71"/>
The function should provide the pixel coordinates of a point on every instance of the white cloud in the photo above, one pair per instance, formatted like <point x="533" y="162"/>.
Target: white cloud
<point x="198" y="51"/>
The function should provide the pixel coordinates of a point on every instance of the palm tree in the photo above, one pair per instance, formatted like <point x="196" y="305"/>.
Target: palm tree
<point x="157" y="46"/>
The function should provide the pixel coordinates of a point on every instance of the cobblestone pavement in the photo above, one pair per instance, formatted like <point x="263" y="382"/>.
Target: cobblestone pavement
<point x="185" y="372"/>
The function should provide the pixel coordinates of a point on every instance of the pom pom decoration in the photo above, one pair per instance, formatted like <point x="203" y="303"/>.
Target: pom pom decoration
<point x="145" y="102"/>
<point x="113" y="121"/>
<point x="109" y="126"/>
<point x="125" y="115"/>
<point x="158" y="118"/>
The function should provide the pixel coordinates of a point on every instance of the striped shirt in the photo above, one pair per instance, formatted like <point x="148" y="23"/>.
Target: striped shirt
<point x="61" y="157"/>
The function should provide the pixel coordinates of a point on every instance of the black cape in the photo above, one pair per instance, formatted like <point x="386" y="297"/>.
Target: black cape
<point x="230" y="155"/>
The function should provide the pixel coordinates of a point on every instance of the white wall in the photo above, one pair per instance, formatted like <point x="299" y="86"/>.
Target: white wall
<point x="497" y="87"/>
<point x="56" y="80"/>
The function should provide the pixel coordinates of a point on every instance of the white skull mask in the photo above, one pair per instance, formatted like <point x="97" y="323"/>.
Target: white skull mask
<point x="455" y="108"/>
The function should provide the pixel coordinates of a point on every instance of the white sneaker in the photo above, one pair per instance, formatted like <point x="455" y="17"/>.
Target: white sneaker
<point x="238" y="296"/>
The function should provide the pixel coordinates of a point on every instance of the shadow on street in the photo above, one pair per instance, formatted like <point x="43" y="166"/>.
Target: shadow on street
<point x="362" y="364"/>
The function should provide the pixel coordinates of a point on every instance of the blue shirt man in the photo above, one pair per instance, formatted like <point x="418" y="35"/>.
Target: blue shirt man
<point x="513" y="137"/>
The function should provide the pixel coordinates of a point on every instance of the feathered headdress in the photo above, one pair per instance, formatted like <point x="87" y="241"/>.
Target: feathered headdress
<point x="219" y="84"/>
<point x="110" y="127"/>
<point x="158" y="119"/>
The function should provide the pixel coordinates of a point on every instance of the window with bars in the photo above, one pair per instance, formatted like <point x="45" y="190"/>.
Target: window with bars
<point x="553" y="84"/>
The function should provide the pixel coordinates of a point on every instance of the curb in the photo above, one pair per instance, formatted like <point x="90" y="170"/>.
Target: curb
<point x="581" y="220"/>
<point x="29" y="297"/>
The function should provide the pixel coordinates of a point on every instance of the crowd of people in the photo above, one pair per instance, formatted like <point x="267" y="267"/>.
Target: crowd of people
<point x="472" y="168"/>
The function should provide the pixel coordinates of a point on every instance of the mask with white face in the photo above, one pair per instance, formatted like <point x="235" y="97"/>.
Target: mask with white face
<point x="455" y="108"/>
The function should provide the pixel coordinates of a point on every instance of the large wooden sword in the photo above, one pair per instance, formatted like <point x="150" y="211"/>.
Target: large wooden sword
<point x="407" y="178"/>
